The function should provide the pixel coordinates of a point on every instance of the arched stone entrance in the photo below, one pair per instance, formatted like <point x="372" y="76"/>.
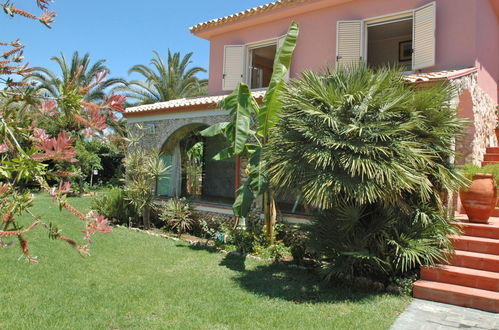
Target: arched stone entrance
<point x="216" y="180"/>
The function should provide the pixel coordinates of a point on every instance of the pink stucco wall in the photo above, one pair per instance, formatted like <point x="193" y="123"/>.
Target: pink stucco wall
<point x="458" y="33"/>
<point x="488" y="48"/>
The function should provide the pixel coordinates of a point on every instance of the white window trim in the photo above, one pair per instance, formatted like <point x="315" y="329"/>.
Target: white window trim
<point x="380" y="20"/>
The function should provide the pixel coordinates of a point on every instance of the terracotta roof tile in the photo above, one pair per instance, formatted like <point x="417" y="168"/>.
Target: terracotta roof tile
<point x="185" y="104"/>
<point x="243" y="14"/>
<point x="211" y="102"/>
<point x="438" y="75"/>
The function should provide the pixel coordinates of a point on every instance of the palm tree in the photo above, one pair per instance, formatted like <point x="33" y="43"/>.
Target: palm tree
<point x="48" y="83"/>
<point x="165" y="81"/>
<point x="371" y="154"/>
<point x="66" y="88"/>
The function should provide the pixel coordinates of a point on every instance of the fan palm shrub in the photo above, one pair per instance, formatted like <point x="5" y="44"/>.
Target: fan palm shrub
<point x="372" y="155"/>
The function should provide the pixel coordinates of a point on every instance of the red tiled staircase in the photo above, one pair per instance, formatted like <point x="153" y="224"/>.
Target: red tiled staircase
<point x="472" y="278"/>
<point x="491" y="156"/>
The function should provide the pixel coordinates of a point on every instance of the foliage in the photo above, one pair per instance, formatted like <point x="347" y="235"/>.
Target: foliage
<point x="49" y="83"/>
<point x="176" y="214"/>
<point x="469" y="170"/>
<point x="26" y="148"/>
<point x="143" y="168"/>
<point x="164" y="82"/>
<point x="377" y="241"/>
<point x="114" y="205"/>
<point x="193" y="169"/>
<point x="247" y="140"/>
<point x="372" y="155"/>
<point x="274" y="251"/>
<point x="295" y="239"/>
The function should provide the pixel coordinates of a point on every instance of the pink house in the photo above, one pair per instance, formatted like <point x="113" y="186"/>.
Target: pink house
<point x="455" y="41"/>
<point x="443" y="40"/>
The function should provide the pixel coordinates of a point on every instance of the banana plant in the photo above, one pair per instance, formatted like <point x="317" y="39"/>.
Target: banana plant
<point x="248" y="132"/>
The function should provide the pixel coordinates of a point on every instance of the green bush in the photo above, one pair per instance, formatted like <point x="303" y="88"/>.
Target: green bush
<point x="371" y="154"/>
<point x="114" y="205"/>
<point x="295" y="239"/>
<point x="469" y="170"/>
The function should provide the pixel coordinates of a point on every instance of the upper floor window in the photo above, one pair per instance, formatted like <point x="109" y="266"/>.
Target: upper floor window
<point x="390" y="43"/>
<point x="252" y="64"/>
<point x="406" y="39"/>
<point x="261" y="65"/>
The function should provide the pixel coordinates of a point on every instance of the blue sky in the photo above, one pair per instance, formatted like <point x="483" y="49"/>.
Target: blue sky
<point x="124" y="32"/>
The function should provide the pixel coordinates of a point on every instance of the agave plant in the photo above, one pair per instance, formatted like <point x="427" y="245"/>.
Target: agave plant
<point x="370" y="153"/>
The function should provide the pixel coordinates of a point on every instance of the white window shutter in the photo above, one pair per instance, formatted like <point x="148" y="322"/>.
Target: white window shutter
<point x="233" y="67"/>
<point x="280" y="42"/>
<point x="424" y="24"/>
<point x="348" y="42"/>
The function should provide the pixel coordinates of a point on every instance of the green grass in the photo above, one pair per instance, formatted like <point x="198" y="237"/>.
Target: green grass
<point x="133" y="280"/>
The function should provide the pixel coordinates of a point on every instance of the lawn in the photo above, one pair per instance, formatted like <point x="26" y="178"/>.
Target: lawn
<point x="133" y="280"/>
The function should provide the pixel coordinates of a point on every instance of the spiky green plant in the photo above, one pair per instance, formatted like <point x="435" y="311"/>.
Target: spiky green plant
<point x="365" y="139"/>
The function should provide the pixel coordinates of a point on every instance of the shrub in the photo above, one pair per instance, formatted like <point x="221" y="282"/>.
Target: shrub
<point x="469" y="170"/>
<point x="114" y="205"/>
<point x="176" y="214"/>
<point x="371" y="154"/>
<point x="295" y="239"/>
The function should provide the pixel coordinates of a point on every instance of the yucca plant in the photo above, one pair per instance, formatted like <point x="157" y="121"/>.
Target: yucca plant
<point x="369" y="153"/>
<point x="143" y="168"/>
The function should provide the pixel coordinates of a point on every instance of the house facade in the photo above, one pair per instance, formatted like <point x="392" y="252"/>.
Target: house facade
<point x="456" y="41"/>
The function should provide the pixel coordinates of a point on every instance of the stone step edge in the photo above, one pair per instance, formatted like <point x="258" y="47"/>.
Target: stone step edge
<point x="448" y="293"/>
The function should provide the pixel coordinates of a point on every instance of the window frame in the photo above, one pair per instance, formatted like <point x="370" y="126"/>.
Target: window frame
<point x="247" y="60"/>
<point x="385" y="19"/>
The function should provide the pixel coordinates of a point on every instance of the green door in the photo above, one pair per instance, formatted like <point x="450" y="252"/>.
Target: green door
<point x="164" y="181"/>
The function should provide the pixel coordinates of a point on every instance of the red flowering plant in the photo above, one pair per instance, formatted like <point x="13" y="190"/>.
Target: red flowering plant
<point x="25" y="148"/>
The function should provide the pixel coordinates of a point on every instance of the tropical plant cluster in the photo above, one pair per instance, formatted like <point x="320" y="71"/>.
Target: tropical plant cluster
<point x="373" y="156"/>
<point x="27" y="148"/>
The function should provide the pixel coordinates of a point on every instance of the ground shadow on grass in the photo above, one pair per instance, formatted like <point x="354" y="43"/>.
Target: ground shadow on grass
<point x="281" y="281"/>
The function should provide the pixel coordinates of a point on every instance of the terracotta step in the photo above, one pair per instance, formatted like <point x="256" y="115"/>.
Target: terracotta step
<point x="491" y="157"/>
<point x="473" y="278"/>
<point x="489" y="162"/>
<point x="457" y="295"/>
<point x="478" y="229"/>
<point x="492" y="150"/>
<point x="475" y="260"/>
<point x="481" y="261"/>
<point x="475" y="244"/>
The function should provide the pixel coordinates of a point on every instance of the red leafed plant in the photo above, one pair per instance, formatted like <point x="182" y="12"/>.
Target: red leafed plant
<point x="24" y="147"/>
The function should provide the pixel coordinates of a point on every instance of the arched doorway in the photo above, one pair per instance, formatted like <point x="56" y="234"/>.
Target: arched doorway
<point x="194" y="173"/>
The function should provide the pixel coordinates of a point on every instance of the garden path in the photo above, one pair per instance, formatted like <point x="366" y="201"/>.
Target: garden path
<point x="430" y="315"/>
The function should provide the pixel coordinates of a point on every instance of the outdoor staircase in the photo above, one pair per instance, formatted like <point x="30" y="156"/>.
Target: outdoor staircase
<point x="472" y="277"/>
<point x="492" y="157"/>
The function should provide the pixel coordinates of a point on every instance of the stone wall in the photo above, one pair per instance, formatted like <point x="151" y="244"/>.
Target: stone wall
<point x="484" y="119"/>
<point x="166" y="139"/>
<point x="164" y="129"/>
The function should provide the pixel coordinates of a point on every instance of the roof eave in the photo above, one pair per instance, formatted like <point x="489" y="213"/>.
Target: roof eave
<point x="209" y="29"/>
